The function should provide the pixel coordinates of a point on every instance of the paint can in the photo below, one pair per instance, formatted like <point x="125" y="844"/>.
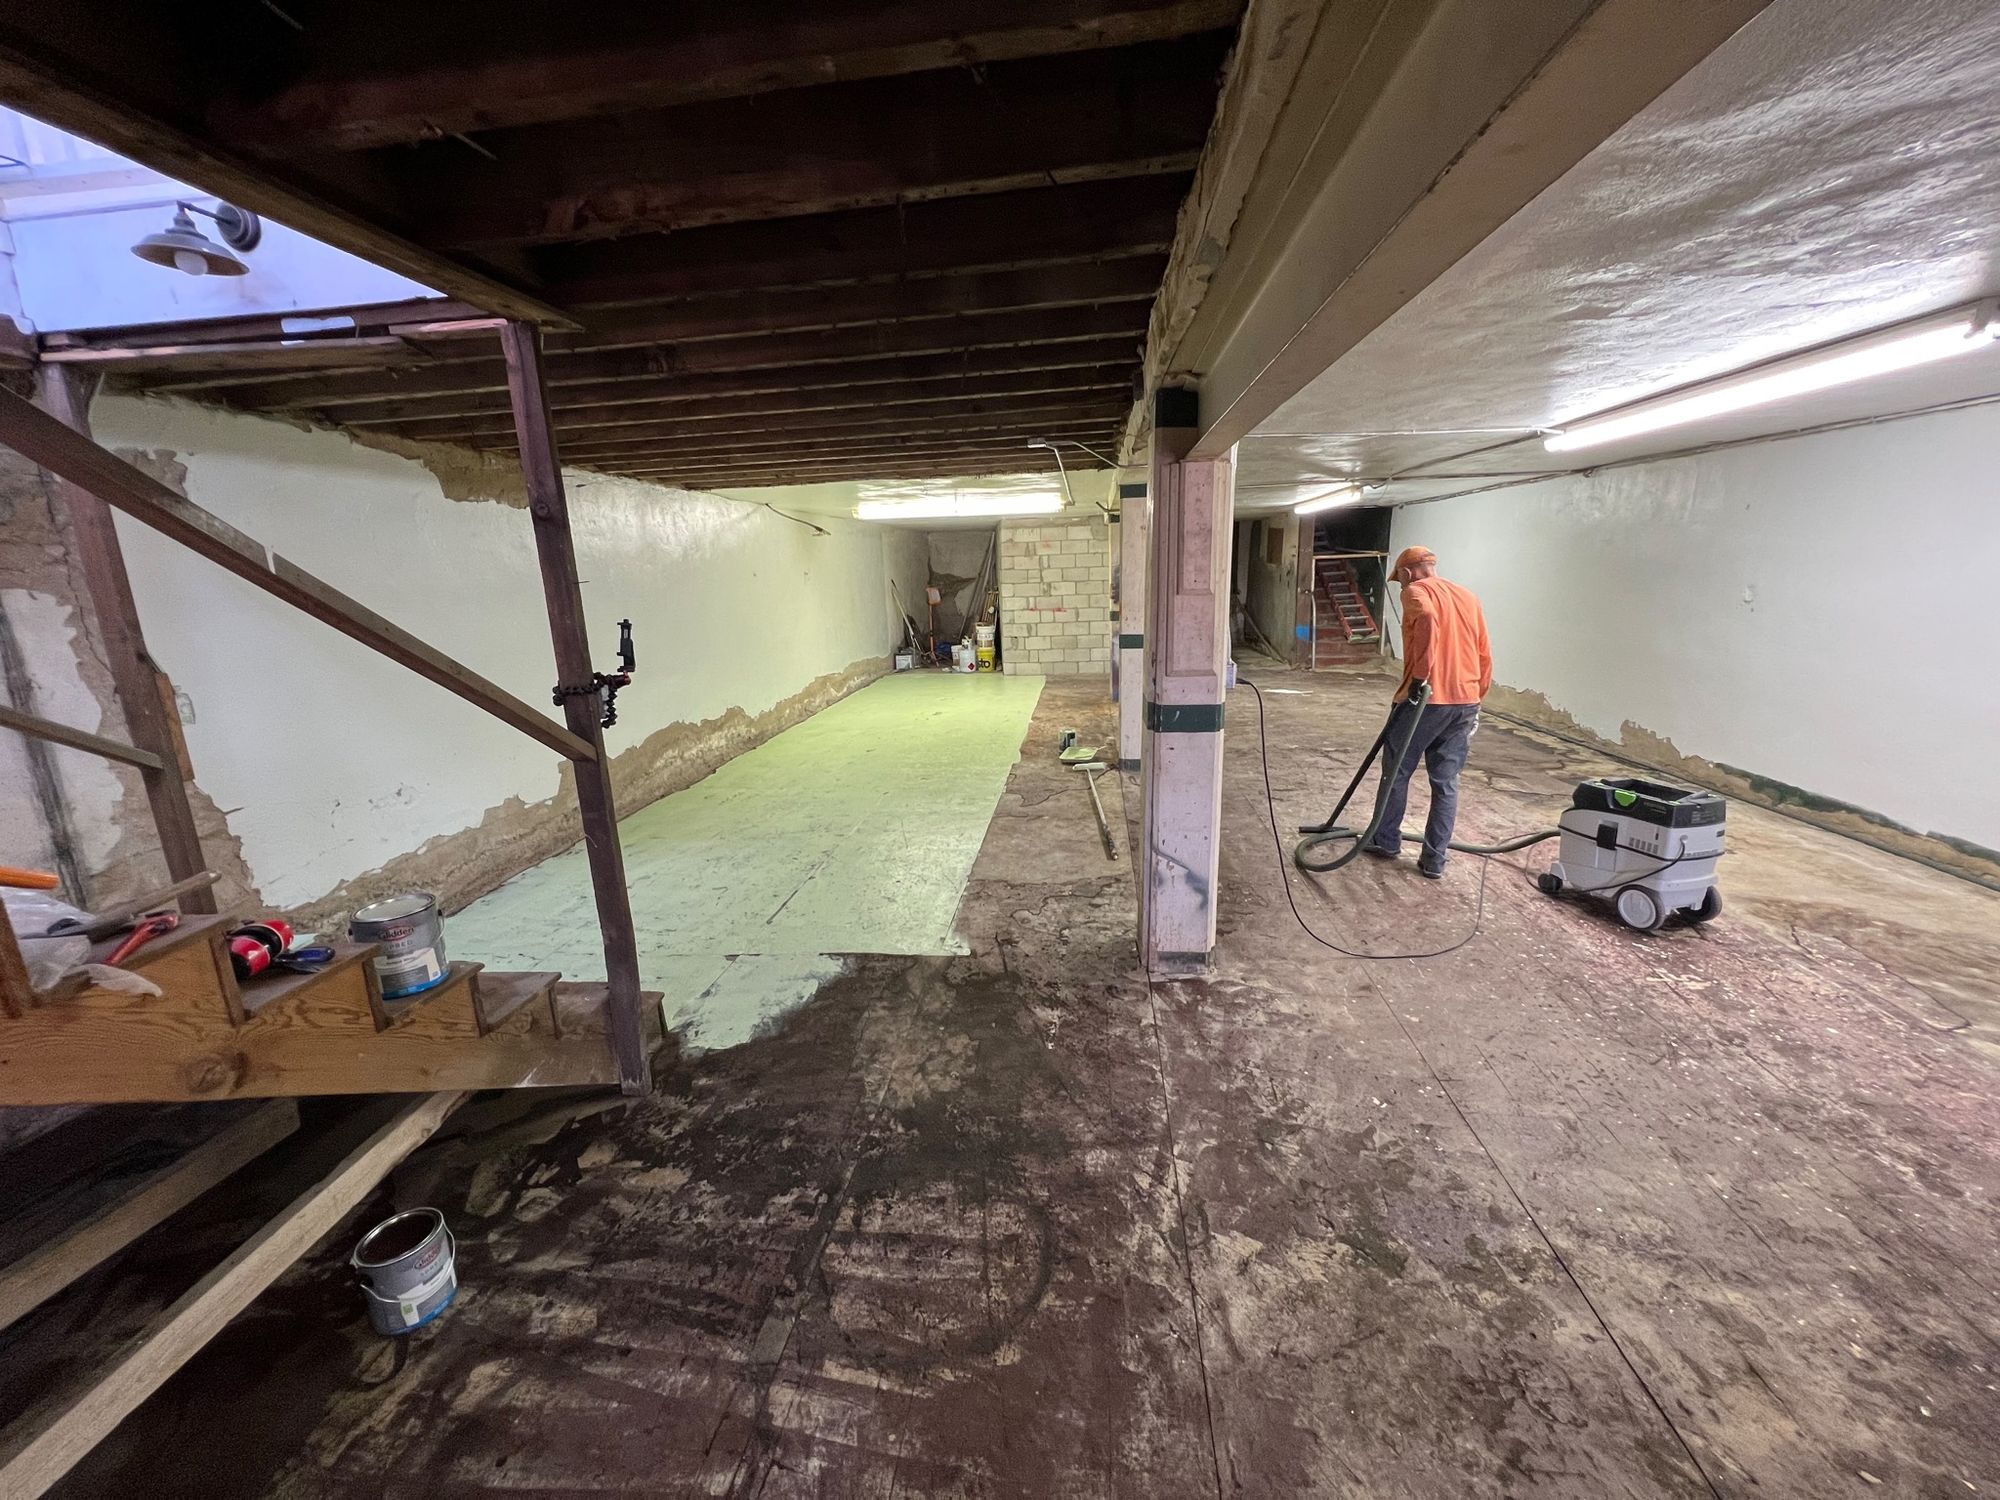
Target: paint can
<point x="411" y="958"/>
<point x="408" y="1270"/>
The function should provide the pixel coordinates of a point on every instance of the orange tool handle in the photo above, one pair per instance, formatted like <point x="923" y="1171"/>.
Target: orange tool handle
<point x="28" y="880"/>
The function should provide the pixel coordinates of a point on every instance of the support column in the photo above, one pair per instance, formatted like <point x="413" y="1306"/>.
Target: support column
<point x="1187" y="634"/>
<point x="144" y="694"/>
<point x="548" y="506"/>
<point x="1134" y="527"/>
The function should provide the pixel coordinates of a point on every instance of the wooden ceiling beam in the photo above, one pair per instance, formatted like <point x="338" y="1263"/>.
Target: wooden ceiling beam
<point x="721" y="356"/>
<point x="1063" y="418"/>
<point x="1096" y="379"/>
<point x="889" y="371"/>
<point x="390" y="74"/>
<point x="971" y="414"/>
<point x="834" y="473"/>
<point x="1130" y="278"/>
<point x="763" y="448"/>
<point x="963" y="461"/>
<point x="994" y="231"/>
<point x="419" y="318"/>
<point x="1097" y="115"/>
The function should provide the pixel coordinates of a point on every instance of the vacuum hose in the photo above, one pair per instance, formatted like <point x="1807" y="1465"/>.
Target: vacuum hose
<point x="1318" y="835"/>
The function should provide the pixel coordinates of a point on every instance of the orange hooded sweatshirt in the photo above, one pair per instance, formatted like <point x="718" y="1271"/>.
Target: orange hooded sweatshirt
<point x="1444" y="640"/>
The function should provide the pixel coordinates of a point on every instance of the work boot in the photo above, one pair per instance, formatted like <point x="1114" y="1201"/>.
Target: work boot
<point x="1428" y="873"/>
<point x="1380" y="853"/>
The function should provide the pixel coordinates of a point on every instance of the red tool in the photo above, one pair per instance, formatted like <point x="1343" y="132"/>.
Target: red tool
<point x="146" y="929"/>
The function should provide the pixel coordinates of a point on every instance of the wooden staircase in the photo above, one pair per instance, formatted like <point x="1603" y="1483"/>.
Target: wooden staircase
<point x="1341" y="617"/>
<point x="207" y="1036"/>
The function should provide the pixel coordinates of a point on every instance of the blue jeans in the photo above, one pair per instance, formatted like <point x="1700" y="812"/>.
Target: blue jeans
<point x="1444" y="740"/>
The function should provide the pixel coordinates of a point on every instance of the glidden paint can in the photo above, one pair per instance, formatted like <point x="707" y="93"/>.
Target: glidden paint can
<point x="408" y="1270"/>
<point x="411" y="958"/>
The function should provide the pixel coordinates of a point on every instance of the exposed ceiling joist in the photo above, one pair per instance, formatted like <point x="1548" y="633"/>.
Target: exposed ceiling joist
<point x="744" y="219"/>
<point x="394" y="74"/>
<point x="1092" y="117"/>
<point x="953" y="366"/>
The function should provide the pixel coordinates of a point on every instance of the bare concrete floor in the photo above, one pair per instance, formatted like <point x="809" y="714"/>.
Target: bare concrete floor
<point x="1567" y="1212"/>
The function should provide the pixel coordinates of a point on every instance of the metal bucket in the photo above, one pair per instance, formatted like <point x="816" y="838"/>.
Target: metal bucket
<point x="412" y="958"/>
<point x="408" y="1265"/>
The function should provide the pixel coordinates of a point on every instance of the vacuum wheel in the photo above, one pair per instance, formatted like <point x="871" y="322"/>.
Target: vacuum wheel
<point x="1710" y="908"/>
<point x="1639" y="909"/>
<point x="1550" y="883"/>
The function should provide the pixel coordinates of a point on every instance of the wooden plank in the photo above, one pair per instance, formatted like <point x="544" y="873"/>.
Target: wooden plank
<point x="992" y="231"/>
<point x="73" y="457"/>
<point x="78" y="739"/>
<point x="548" y="506"/>
<point x="277" y="354"/>
<point x="840" y="146"/>
<point x="1077" y="284"/>
<point x="332" y="324"/>
<point x="777" y="353"/>
<point x="501" y="997"/>
<point x="653" y="57"/>
<point x="51" y="1441"/>
<point x="952" y="369"/>
<point x="1009" y="444"/>
<point x="16" y="994"/>
<point x="39" y="1275"/>
<point x="970" y="417"/>
<point x="1072" y="384"/>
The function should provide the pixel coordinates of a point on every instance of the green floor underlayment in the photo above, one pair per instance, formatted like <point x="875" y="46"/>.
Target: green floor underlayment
<point x="853" y="832"/>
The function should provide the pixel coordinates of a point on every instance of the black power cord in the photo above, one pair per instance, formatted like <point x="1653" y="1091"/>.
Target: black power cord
<point x="1285" y="874"/>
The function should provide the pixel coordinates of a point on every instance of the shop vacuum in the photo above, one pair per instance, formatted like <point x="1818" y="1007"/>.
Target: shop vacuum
<point x="1647" y="848"/>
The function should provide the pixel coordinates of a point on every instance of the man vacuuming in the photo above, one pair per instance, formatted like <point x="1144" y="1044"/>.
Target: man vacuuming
<point x="1445" y="644"/>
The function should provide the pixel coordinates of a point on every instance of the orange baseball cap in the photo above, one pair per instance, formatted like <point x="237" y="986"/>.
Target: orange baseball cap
<point x="1411" y="556"/>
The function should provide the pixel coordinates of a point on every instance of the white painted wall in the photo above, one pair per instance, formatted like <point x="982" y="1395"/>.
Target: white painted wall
<point x="1817" y="610"/>
<point x="330" y="760"/>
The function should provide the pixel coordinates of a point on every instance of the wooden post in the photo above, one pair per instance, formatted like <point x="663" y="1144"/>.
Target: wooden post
<point x="137" y="678"/>
<point x="1187" y="641"/>
<point x="1134" y="527"/>
<point x="548" y="506"/>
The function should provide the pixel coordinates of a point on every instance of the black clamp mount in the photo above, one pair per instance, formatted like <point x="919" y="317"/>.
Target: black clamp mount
<point x="604" y="686"/>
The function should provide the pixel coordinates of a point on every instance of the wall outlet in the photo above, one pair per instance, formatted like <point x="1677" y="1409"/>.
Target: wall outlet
<point x="184" y="705"/>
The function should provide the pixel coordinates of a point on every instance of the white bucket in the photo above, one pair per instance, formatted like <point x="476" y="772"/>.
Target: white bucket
<point x="408" y="1265"/>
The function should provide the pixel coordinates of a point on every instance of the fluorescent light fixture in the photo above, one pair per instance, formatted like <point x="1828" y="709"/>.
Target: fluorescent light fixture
<point x="958" y="507"/>
<point x="1904" y="347"/>
<point x="1340" y="494"/>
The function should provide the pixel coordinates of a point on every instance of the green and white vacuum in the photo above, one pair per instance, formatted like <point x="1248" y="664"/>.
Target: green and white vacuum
<point x="1651" y="849"/>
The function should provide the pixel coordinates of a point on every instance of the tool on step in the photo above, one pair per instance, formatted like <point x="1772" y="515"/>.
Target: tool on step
<point x="605" y="685"/>
<point x="308" y="960"/>
<point x="1090" y="770"/>
<point x="147" y="928"/>
<point x="119" y="917"/>
<point x="28" y="880"/>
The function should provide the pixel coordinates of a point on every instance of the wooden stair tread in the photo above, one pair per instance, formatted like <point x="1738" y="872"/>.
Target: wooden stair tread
<point x="403" y="1008"/>
<point x="273" y="986"/>
<point x="195" y="929"/>
<point x="500" y="995"/>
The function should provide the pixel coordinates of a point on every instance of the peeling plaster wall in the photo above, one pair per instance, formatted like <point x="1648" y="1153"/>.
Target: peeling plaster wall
<point x="331" y="762"/>
<point x="1816" y="611"/>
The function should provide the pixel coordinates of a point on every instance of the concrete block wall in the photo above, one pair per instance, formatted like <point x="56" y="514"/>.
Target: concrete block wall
<point x="1055" y="597"/>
